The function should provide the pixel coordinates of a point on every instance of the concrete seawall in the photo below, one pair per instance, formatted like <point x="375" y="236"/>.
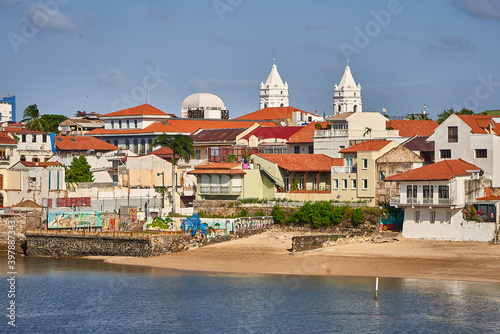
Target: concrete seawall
<point x="80" y="243"/>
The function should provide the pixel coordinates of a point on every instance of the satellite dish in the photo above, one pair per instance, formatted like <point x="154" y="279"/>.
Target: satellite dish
<point x="98" y="154"/>
<point x="282" y="123"/>
<point x="384" y="110"/>
<point x="59" y="128"/>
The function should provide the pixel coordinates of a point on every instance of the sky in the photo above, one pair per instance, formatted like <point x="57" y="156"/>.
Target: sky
<point x="102" y="56"/>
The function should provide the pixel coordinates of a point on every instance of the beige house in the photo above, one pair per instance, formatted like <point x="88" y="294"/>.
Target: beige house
<point x="356" y="179"/>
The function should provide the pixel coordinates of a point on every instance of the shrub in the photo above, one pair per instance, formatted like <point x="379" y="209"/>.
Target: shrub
<point x="259" y="213"/>
<point x="357" y="216"/>
<point x="278" y="215"/>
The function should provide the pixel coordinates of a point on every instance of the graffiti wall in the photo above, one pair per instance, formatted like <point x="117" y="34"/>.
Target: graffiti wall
<point x="252" y="223"/>
<point x="77" y="219"/>
<point x="110" y="224"/>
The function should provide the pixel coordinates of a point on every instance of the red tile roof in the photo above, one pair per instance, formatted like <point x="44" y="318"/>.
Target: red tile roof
<point x="410" y="128"/>
<point x="77" y="143"/>
<point x="305" y="134"/>
<point x="275" y="113"/>
<point x="303" y="162"/>
<point x="5" y="139"/>
<point x="162" y="151"/>
<point x="284" y="132"/>
<point x="142" y="110"/>
<point x="367" y="146"/>
<point x="443" y="170"/>
<point x="220" y="168"/>
<point x="184" y="126"/>
<point x="480" y="123"/>
<point x="9" y="129"/>
<point x="39" y="164"/>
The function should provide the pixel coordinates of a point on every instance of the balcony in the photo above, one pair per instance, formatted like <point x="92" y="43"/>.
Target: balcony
<point x="216" y="189"/>
<point x="396" y="201"/>
<point x="361" y="134"/>
<point x="338" y="170"/>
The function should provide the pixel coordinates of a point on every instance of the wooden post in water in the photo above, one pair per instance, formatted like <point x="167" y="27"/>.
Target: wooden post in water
<point x="376" y="289"/>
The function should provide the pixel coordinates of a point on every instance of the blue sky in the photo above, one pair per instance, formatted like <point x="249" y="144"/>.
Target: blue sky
<point x="100" y="56"/>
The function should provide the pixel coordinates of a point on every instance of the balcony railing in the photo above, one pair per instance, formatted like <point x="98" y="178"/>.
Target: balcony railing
<point x="338" y="170"/>
<point x="212" y="189"/>
<point x="422" y="201"/>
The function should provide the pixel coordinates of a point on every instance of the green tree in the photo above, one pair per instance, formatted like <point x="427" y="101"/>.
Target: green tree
<point x="278" y="215"/>
<point x="53" y="122"/>
<point x="33" y="120"/>
<point x="79" y="170"/>
<point x="181" y="146"/>
<point x="447" y="113"/>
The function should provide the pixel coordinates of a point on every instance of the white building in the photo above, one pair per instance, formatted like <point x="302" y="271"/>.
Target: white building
<point x="474" y="138"/>
<point x="273" y="93"/>
<point x="347" y="95"/>
<point x="434" y="196"/>
<point x="205" y="106"/>
<point x="348" y="129"/>
<point x="5" y="112"/>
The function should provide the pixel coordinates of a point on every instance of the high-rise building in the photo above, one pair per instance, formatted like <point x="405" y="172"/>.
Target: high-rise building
<point x="8" y="108"/>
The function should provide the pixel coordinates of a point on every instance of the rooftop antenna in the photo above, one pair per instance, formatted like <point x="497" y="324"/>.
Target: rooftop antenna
<point x="423" y="110"/>
<point x="274" y="58"/>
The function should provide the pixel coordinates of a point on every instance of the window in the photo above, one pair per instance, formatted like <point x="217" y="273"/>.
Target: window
<point x="411" y="191"/>
<point x="127" y="144"/>
<point x="335" y="183"/>
<point x="112" y="124"/>
<point x="444" y="192"/>
<point x="35" y="159"/>
<point x="143" y="146"/>
<point x="417" y="217"/>
<point x="341" y="147"/>
<point x="344" y="183"/>
<point x="119" y="124"/>
<point x="197" y="154"/>
<point x="296" y="149"/>
<point x="135" y="123"/>
<point x="311" y="149"/>
<point x="44" y="138"/>
<point x="428" y="193"/>
<point x="22" y="158"/>
<point x="115" y="142"/>
<point x="136" y="146"/>
<point x="128" y="124"/>
<point x="445" y="154"/>
<point x="33" y="138"/>
<point x="23" y="138"/>
<point x="447" y="219"/>
<point x="365" y="163"/>
<point x="287" y="182"/>
<point x="432" y="217"/>
<point x="365" y="184"/>
<point x="382" y="175"/>
<point x="354" y="184"/>
<point x="453" y="134"/>
<point x="483" y="153"/>
<point x="301" y="182"/>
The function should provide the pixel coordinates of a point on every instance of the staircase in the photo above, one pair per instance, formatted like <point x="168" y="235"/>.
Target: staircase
<point x="272" y="178"/>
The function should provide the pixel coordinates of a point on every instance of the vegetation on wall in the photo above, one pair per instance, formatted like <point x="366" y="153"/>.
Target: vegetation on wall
<point x="79" y="170"/>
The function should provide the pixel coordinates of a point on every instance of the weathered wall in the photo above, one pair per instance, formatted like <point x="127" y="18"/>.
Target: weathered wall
<point x="79" y="243"/>
<point x="19" y="223"/>
<point x="228" y="207"/>
<point x="308" y="242"/>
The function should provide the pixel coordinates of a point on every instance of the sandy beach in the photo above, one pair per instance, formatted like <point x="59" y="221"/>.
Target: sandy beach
<point x="269" y="253"/>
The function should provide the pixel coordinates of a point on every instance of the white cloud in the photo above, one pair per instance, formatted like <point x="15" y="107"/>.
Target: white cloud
<point x="50" y="18"/>
<point x="482" y="9"/>
<point x="453" y="44"/>
<point x="112" y="78"/>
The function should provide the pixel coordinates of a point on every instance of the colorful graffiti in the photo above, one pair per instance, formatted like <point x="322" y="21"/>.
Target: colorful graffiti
<point x="252" y="224"/>
<point x="110" y="224"/>
<point x="78" y="219"/>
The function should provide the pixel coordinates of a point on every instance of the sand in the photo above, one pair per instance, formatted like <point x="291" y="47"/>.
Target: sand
<point x="269" y="253"/>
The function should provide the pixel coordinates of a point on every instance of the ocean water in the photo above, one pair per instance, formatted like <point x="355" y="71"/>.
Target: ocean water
<point x="84" y="296"/>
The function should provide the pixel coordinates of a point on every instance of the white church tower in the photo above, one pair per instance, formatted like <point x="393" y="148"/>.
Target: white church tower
<point x="273" y="93"/>
<point x="347" y="95"/>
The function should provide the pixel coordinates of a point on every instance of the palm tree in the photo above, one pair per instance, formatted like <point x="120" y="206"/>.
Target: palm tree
<point x="33" y="119"/>
<point x="368" y="131"/>
<point x="181" y="146"/>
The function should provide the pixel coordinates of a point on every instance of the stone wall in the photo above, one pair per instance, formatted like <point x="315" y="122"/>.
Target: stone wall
<point x="20" y="224"/>
<point x="308" y="242"/>
<point x="80" y="243"/>
<point x="228" y="207"/>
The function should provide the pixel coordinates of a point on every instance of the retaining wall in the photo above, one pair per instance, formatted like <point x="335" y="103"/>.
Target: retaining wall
<point x="302" y="243"/>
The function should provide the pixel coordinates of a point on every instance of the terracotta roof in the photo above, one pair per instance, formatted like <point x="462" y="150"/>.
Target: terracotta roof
<point x="303" y="162"/>
<point x="443" y="170"/>
<point x="480" y="123"/>
<point x="142" y="110"/>
<point x="78" y="143"/>
<point x="9" y="129"/>
<point x="410" y="128"/>
<point x="419" y="144"/>
<point x="305" y="134"/>
<point x="217" y="134"/>
<point x="5" y="139"/>
<point x="39" y="164"/>
<point x="274" y="113"/>
<point x="183" y="125"/>
<point x="367" y="146"/>
<point x="221" y="168"/>
<point x="284" y="132"/>
<point x="340" y="116"/>
<point x="162" y="151"/>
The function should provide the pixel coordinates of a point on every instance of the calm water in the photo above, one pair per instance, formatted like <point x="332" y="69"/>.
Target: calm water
<point x="81" y="296"/>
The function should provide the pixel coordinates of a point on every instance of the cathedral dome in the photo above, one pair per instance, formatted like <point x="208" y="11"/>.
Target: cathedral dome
<point x="204" y="101"/>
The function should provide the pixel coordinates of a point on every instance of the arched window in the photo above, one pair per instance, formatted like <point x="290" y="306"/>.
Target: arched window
<point x="339" y="108"/>
<point x="136" y="145"/>
<point x="1" y="181"/>
<point x="116" y="142"/>
<point x="1" y="201"/>
<point x="127" y="144"/>
<point x="128" y="124"/>
<point x="143" y="146"/>
<point x="22" y="158"/>
<point x="35" y="158"/>
<point x="112" y="124"/>
<point x="135" y="123"/>
<point x="150" y="148"/>
<point x="120" y="124"/>
<point x="355" y="108"/>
